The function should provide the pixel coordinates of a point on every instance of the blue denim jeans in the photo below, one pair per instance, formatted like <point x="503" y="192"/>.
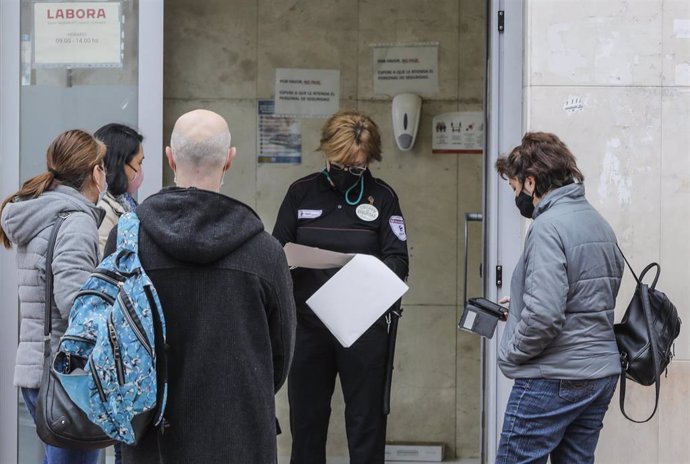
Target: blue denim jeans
<point x="54" y="455"/>
<point x="557" y="418"/>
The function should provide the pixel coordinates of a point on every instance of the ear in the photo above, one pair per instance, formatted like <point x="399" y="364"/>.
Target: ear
<point x="530" y="183"/>
<point x="228" y="161"/>
<point x="95" y="172"/>
<point x="171" y="159"/>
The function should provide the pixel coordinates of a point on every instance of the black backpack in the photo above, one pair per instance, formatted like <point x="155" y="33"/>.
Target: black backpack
<point x="645" y="336"/>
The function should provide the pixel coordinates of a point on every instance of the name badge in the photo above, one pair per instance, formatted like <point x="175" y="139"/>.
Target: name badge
<point x="367" y="212"/>
<point x="309" y="213"/>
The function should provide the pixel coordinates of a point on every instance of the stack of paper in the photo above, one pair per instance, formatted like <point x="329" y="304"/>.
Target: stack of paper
<point x="355" y="297"/>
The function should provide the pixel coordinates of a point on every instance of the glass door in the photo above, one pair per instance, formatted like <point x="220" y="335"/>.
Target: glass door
<point x="68" y="65"/>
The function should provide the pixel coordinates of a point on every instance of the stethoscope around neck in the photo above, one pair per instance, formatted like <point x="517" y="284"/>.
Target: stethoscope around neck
<point x="347" y="192"/>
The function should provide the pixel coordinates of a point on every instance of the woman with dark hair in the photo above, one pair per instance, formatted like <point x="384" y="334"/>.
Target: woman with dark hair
<point x="342" y="208"/>
<point x="558" y="343"/>
<point x="123" y="162"/>
<point x="73" y="182"/>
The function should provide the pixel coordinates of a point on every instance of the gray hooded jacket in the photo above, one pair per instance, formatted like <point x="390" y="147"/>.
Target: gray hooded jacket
<point x="28" y="224"/>
<point x="563" y="293"/>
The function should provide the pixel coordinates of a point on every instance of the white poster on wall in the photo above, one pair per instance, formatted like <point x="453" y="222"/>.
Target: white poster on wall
<point x="77" y="35"/>
<point x="405" y="68"/>
<point x="307" y="92"/>
<point x="459" y="133"/>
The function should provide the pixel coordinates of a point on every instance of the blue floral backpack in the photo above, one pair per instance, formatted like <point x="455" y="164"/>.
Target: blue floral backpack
<point x="115" y="340"/>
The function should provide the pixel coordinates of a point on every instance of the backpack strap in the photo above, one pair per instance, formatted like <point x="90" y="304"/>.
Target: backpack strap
<point x="128" y="232"/>
<point x="48" y="308"/>
<point x="644" y="295"/>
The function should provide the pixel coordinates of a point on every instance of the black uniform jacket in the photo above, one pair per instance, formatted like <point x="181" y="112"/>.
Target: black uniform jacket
<point x="315" y="214"/>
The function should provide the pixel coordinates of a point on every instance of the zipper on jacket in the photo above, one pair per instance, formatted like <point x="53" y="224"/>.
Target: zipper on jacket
<point x="109" y="299"/>
<point x="96" y="379"/>
<point x="133" y="320"/>
<point x="117" y="355"/>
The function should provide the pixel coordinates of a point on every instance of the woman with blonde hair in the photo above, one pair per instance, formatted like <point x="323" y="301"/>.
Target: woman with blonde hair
<point x="341" y="208"/>
<point x="74" y="181"/>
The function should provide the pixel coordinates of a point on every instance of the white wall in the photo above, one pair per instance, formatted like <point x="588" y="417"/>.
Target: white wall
<point x="612" y="79"/>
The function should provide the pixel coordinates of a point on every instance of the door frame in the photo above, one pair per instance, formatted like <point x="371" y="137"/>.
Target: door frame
<point x="502" y="224"/>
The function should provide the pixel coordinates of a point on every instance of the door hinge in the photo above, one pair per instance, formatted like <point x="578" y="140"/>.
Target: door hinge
<point x="499" y="275"/>
<point x="501" y="20"/>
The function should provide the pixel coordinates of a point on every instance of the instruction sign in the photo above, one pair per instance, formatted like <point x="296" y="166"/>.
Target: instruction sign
<point x="77" y="35"/>
<point x="460" y="133"/>
<point x="307" y="92"/>
<point x="280" y="138"/>
<point x="405" y="68"/>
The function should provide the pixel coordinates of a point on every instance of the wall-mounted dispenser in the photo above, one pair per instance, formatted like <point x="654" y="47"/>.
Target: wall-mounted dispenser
<point x="407" y="110"/>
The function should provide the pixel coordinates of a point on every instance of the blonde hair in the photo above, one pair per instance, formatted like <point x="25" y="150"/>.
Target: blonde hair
<point x="70" y="159"/>
<point x="348" y="133"/>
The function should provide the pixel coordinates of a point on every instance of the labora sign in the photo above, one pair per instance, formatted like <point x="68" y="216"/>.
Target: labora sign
<point x="76" y="13"/>
<point x="77" y="34"/>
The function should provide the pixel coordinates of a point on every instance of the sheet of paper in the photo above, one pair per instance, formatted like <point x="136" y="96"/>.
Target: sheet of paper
<point x="355" y="297"/>
<point x="314" y="258"/>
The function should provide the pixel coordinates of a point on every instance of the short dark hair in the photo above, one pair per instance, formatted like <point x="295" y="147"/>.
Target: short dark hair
<point x="123" y="143"/>
<point x="543" y="156"/>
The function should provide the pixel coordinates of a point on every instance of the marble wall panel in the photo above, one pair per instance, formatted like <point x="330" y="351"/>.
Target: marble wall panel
<point x="472" y="58"/>
<point x="674" y="447"/>
<point x="676" y="43"/>
<point x="408" y="21"/>
<point x="675" y="205"/>
<point x="423" y="400"/>
<point x="622" y="441"/>
<point x="468" y="394"/>
<point x="589" y="42"/>
<point x="309" y="34"/>
<point x="210" y="49"/>
<point x="470" y="196"/>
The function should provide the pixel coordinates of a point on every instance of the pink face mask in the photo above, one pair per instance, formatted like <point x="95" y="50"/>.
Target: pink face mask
<point x="135" y="183"/>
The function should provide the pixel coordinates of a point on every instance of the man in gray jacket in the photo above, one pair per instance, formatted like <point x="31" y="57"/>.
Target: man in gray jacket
<point x="558" y="343"/>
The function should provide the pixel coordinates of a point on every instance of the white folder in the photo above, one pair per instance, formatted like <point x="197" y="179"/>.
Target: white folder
<point x="356" y="296"/>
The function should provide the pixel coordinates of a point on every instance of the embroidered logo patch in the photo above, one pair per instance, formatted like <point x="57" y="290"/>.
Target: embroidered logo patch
<point x="308" y="213"/>
<point x="367" y="212"/>
<point x="397" y="224"/>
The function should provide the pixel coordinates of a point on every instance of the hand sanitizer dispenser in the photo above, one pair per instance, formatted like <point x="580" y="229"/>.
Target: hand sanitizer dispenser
<point x="407" y="108"/>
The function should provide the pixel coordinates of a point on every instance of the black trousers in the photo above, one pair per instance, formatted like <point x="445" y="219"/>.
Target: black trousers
<point x="361" y="367"/>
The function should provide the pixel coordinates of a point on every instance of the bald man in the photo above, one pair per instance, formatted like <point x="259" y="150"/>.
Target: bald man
<point x="226" y="292"/>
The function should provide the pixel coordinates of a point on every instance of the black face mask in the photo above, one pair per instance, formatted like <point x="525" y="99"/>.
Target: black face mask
<point x="524" y="204"/>
<point x="342" y="180"/>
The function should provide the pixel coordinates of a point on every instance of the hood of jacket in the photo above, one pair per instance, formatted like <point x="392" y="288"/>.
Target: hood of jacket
<point x="23" y="220"/>
<point x="197" y="226"/>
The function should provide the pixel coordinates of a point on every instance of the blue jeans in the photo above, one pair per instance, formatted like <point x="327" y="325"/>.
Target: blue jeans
<point x="54" y="455"/>
<point x="557" y="418"/>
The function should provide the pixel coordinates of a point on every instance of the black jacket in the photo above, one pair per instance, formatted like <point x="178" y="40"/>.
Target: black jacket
<point x="314" y="213"/>
<point x="226" y="293"/>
